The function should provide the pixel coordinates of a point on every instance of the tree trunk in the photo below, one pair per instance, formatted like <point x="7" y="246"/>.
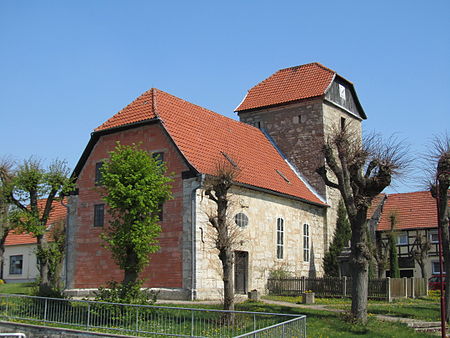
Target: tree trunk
<point x="360" y="264"/>
<point x="422" y="268"/>
<point x="226" y="257"/>
<point x="130" y="275"/>
<point x="2" y="249"/>
<point x="44" y="284"/>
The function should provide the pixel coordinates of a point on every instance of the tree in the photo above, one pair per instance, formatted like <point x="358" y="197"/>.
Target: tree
<point x="5" y="178"/>
<point x="420" y="250"/>
<point x="31" y="190"/>
<point x="342" y="235"/>
<point x="134" y="186"/>
<point x="217" y="189"/>
<point x="439" y="189"/>
<point x="393" y="254"/>
<point x="362" y="171"/>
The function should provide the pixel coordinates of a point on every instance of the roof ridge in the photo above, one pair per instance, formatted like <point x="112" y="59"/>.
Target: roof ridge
<point x="211" y="111"/>
<point x="309" y="64"/>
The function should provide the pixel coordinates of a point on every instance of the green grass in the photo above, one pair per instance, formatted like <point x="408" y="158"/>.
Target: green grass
<point x="331" y="324"/>
<point x="17" y="288"/>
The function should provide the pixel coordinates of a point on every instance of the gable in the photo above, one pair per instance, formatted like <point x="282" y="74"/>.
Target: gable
<point x="343" y="95"/>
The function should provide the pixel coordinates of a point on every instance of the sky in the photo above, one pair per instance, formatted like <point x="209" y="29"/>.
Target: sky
<point x="67" y="66"/>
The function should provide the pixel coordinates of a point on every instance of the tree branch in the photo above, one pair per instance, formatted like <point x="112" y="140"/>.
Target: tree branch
<point x="322" y="171"/>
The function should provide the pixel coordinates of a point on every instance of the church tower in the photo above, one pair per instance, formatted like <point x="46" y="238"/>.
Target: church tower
<point x="298" y="108"/>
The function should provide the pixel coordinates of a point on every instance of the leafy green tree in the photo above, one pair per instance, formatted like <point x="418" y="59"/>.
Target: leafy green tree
<point x="5" y="227"/>
<point x="342" y="235"/>
<point x="134" y="186"/>
<point x="32" y="189"/>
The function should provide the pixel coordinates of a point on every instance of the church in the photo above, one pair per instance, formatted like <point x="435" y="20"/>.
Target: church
<point x="284" y="214"/>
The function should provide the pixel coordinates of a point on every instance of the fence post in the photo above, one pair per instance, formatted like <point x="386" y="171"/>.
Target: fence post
<point x="413" y="287"/>
<point x="388" y="281"/>
<point x="88" y="319"/>
<point x="192" y="323"/>
<point x="303" y="284"/>
<point x="405" y="283"/>
<point x="345" y="286"/>
<point x="45" y="309"/>
<point x="137" y="319"/>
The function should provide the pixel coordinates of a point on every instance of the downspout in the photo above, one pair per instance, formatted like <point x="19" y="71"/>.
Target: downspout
<point x="193" y="237"/>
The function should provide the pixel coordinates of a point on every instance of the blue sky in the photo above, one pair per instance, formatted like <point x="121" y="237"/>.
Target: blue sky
<point x="67" y="66"/>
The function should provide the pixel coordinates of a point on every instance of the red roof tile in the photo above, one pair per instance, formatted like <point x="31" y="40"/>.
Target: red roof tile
<point x="414" y="210"/>
<point x="203" y="136"/>
<point x="57" y="214"/>
<point x="289" y="84"/>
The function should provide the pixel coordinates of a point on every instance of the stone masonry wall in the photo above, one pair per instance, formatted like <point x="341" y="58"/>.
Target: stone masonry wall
<point x="332" y="121"/>
<point x="298" y="131"/>
<point x="259" y="239"/>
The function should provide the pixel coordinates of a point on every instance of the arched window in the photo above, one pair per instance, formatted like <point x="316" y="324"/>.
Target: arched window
<point x="280" y="237"/>
<point x="306" y="242"/>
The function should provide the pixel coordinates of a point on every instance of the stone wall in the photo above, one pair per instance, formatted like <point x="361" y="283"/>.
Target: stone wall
<point x="259" y="239"/>
<point x="298" y="131"/>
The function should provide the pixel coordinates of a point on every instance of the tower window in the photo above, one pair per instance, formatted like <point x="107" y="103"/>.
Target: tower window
<point x="99" y="215"/>
<point x="342" y="123"/>
<point x="98" y="173"/>
<point x="342" y="92"/>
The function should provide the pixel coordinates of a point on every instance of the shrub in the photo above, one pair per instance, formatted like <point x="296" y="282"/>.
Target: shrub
<point x="130" y="293"/>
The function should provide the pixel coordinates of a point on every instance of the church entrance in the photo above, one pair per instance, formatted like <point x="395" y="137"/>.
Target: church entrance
<point x="240" y="271"/>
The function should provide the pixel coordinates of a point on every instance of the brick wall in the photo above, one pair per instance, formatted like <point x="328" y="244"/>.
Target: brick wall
<point x="93" y="265"/>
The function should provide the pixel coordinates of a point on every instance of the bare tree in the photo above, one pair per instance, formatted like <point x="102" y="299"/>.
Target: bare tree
<point x="439" y="188"/>
<point x="420" y="250"/>
<point x="362" y="171"/>
<point x="217" y="189"/>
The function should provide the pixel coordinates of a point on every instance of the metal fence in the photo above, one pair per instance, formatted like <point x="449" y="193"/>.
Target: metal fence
<point x="379" y="288"/>
<point x="149" y="320"/>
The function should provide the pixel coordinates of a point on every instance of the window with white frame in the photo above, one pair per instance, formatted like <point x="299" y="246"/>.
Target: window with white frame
<point x="280" y="237"/>
<point x="434" y="237"/>
<point x="306" y="242"/>
<point x="436" y="268"/>
<point x="402" y="239"/>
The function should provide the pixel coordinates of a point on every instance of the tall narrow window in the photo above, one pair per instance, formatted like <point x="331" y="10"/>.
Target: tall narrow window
<point x="342" y="123"/>
<point x="98" y="173"/>
<point x="99" y="215"/>
<point x="280" y="237"/>
<point x="306" y="242"/>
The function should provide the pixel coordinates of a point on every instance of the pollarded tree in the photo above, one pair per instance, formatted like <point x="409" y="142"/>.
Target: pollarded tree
<point x="217" y="188"/>
<point x="134" y="186"/>
<point x="342" y="235"/>
<point x="31" y="190"/>
<point x="362" y="170"/>
<point x="440" y="189"/>
<point x="420" y="250"/>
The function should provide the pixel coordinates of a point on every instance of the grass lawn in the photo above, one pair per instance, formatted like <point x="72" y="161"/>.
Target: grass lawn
<point x="17" y="288"/>
<point x="427" y="309"/>
<point x="331" y="324"/>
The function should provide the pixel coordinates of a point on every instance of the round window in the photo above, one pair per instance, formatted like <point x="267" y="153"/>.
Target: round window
<point x="241" y="220"/>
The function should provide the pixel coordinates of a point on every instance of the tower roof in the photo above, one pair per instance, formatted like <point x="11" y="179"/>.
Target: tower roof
<point x="292" y="84"/>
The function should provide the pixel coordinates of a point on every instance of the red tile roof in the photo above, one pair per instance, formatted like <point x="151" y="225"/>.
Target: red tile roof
<point x="57" y="214"/>
<point x="289" y="84"/>
<point x="205" y="137"/>
<point x="414" y="210"/>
